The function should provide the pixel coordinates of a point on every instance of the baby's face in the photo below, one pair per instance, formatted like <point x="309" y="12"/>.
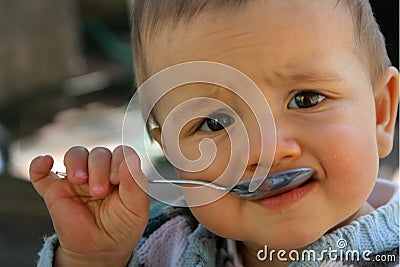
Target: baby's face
<point x="320" y="95"/>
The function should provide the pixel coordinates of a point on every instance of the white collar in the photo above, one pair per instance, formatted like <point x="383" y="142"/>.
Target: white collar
<point x="384" y="192"/>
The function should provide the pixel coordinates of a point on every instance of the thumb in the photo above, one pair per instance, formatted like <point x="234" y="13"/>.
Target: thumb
<point x="133" y="186"/>
<point x="40" y="175"/>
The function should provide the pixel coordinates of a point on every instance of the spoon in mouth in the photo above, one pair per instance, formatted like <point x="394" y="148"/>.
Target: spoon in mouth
<point x="273" y="184"/>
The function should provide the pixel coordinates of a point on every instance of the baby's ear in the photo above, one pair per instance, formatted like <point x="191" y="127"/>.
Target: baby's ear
<point x="386" y="103"/>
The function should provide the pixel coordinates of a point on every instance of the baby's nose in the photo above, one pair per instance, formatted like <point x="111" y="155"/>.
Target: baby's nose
<point x="287" y="146"/>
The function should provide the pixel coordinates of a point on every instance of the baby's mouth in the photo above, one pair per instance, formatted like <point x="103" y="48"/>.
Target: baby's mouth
<point x="288" y="196"/>
<point x="286" y="189"/>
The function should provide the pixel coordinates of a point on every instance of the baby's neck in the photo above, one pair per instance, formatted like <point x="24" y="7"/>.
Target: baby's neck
<point x="365" y="209"/>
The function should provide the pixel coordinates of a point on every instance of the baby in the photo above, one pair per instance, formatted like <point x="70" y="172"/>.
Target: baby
<point x="322" y="68"/>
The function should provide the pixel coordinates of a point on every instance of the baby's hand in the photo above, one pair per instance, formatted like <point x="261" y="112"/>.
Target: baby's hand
<point x="98" y="211"/>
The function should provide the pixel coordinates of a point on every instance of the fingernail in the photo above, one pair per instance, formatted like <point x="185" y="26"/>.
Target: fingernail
<point x="113" y="176"/>
<point x="80" y="174"/>
<point x="97" y="189"/>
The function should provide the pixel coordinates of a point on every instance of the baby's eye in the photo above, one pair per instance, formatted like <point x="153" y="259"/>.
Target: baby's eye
<point x="216" y="122"/>
<point x="306" y="99"/>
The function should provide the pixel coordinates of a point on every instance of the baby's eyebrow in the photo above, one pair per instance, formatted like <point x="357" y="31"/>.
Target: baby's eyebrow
<point x="309" y="77"/>
<point x="199" y="107"/>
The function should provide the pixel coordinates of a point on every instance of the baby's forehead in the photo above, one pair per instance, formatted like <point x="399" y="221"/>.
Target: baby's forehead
<point x="208" y="35"/>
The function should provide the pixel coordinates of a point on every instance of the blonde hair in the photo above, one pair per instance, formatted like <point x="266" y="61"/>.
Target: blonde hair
<point x="369" y="40"/>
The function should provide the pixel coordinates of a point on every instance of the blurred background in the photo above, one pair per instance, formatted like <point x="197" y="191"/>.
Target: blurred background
<point x="66" y="79"/>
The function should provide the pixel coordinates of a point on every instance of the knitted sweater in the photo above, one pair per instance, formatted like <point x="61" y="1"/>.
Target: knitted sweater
<point x="173" y="237"/>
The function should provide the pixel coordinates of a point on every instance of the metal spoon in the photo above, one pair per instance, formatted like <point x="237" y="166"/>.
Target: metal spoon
<point x="273" y="184"/>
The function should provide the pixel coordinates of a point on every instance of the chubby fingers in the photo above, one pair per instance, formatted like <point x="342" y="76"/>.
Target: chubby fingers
<point x="92" y="168"/>
<point x="100" y="167"/>
<point x="75" y="160"/>
<point x="99" y="171"/>
<point x="117" y="159"/>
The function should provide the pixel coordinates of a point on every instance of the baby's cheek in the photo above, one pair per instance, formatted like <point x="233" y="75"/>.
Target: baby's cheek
<point x="351" y="164"/>
<point x="217" y="159"/>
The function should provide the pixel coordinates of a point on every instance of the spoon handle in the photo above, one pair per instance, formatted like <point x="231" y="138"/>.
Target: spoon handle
<point x="172" y="181"/>
<point x="188" y="182"/>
